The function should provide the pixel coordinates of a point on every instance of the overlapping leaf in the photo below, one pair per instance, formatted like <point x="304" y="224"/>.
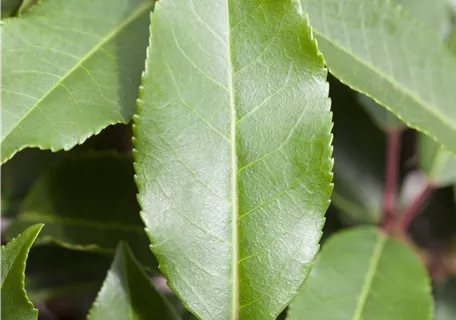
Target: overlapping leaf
<point x="69" y="69"/>
<point x="10" y="7"/>
<point x="15" y="304"/>
<point x="128" y="293"/>
<point x="233" y="153"/>
<point x="378" y="49"/>
<point x="362" y="274"/>
<point x="88" y="202"/>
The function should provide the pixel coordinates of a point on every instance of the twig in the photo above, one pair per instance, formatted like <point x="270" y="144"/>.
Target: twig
<point x="391" y="176"/>
<point x="413" y="209"/>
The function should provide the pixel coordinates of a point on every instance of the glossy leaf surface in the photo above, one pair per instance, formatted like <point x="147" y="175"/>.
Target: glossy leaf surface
<point x="69" y="69"/>
<point x="88" y="202"/>
<point x="15" y="304"/>
<point x="233" y="154"/>
<point x="377" y="48"/>
<point x="361" y="274"/>
<point x="128" y="293"/>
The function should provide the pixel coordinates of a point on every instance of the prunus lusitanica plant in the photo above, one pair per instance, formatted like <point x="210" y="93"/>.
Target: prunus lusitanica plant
<point x="186" y="159"/>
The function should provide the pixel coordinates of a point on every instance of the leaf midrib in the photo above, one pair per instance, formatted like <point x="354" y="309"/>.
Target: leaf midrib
<point x="425" y="105"/>
<point x="134" y="15"/>
<point x="370" y="275"/>
<point x="234" y="175"/>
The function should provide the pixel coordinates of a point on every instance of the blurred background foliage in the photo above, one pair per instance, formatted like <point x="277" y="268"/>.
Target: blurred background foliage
<point x="68" y="263"/>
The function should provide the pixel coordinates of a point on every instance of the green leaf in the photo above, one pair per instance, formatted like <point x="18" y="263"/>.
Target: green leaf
<point x="434" y="14"/>
<point x="233" y="155"/>
<point x="88" y="202"/>
<point x="128" y="293"/>
<point x="9" y="7"/>
<point x="438" y="165"/>
<point x="362" y="274"/>
<point x="26" y="5"/>
<point x="69" y="69"/>
<point x="15" y="304"/>
<point x="47" y="277"/>
<point x="359" y="159"/>
<point x="380" y="50"/>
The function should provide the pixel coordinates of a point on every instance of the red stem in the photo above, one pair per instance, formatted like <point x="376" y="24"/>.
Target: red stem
<point x="391" y="175"/>
<point x="413" y="209"/>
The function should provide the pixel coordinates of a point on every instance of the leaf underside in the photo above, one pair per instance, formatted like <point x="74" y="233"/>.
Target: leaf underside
<point x="376" y="48"/>
<point x="233" y="155"/>
<point x="361" y="274"/>
<point x="15" y="304"/>
<point x="69" y="69"/>
<point x="128" y="293"/>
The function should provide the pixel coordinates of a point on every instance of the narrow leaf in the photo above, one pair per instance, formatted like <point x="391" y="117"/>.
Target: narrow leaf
<point x="26" y="5"/>
<point x="9" y="7"/>
<point x="233" y="152"/>
<point x="15" y="304"/>
<point x="128" y="293"/>
<point x="361" y="274"/>
<point x="437" y="164"/>
<point x="380" y="50"/>
<point x="69" y="69"/>
<point x="88" y="202"/>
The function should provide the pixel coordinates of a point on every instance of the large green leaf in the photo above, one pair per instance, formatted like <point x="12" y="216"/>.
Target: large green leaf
<point x="361" y="274"/>
<point x="380" y="50"/>
<point x="233" y="154"/>
<point x="434" y="14"/>
<point x="69" y="69"/>
<point x="128" y="293"/>
<point x="437" y="164"/>
<point x="15" y="304"/>
<point x="88" y="202"/>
